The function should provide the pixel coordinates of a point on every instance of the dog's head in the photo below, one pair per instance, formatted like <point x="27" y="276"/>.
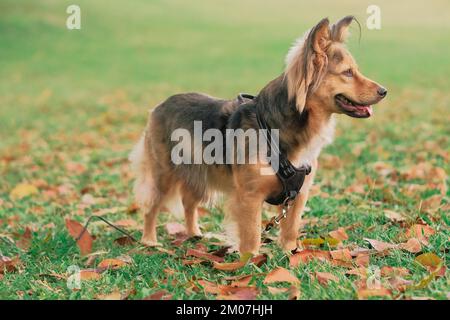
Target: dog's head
<point x="320" y="68"/>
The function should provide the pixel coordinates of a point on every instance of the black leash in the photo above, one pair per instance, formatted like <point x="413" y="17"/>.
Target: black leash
<point x="108" y="223"/>
<point x="291" y="177"/>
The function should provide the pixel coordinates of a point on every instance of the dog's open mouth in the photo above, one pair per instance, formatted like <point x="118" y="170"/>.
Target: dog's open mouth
<point x="353" y="109"/>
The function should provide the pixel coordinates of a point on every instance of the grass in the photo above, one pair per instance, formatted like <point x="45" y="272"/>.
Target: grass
<point x="73" y="103"/>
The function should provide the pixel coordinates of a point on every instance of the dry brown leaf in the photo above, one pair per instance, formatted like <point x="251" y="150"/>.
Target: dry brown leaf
<point x="325" y="277"/>
<point x="89" y="274"/>
<point x="229" y="266"/>
<point x="275" y="291"/>
<point x="421" y="232"/>
<point x="294" y="293"/>
<point x="432" y="203"/>
<point x="209" y="287"/>
<point x="341" y="254"/>
<point x="387" y="271"/>
<point x="394" y="216"/>
<point x="86" y="240"/>
<point x="159" y="295"/>
<point x="280" y="274"/>
<point x="242" y="281"/>
<point x="115" y="295"/>
<point x="24" y="242"/>
<point x="9" y="264"/>
<point x="381" y="246"/>
<point x="339" y="234"/>
<point x="113" y="264"/>
<point x="360" y="271"/>
<point x="203" y="255"/>
<point x="237" y="293"/>
<point x="307" y="255"/>
<point x="362" y="260"/>
<point x="126" y="223"/>
<point x="412" y="245"/>
<point x="365" y="293"/>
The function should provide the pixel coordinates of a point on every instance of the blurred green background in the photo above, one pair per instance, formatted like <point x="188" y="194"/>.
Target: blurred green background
<point x="151" y="49"/>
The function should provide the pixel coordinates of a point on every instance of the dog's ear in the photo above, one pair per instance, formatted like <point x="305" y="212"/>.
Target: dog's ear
<point x="339" y="31"/>
<point x="306" y="63"/>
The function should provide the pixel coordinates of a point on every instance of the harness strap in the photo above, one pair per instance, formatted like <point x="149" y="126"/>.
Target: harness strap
<point x="290" y="177"/>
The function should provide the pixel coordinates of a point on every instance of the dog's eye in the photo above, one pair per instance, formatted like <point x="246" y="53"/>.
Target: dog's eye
<point x="348" y="73"/>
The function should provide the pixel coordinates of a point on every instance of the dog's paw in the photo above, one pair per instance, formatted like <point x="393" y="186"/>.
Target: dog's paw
<point x="150" y="243"/>
<point x="288" y="245"/>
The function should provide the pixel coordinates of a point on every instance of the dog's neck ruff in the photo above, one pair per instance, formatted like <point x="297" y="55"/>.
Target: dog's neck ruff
<point x="291" y="178"/>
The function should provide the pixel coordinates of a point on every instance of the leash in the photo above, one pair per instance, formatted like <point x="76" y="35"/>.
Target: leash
<point x="291" y="177"/>
<point x="108" y="223"/>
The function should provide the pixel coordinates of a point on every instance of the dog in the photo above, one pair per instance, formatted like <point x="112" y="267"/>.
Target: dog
<point x="321" y="79"/>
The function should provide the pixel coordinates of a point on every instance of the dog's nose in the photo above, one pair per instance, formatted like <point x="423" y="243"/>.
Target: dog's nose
<point x="382" y="92"/>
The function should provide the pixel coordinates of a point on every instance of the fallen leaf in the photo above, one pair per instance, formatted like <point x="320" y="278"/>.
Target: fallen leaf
<point x="23" y="190"/>
<point x="237" y="293"/>
<point x="203" y="255"/>
<point x="126" y="223"/>
<point x="209" y="287"/>
<point x="242" y="281"/>
<point x="325" y="277"/>
<point x="339" y="234"/>
<point x="362" y="260"/>
<point x="294" y="293"/>
<point x="398" y="283"/>
<point x="429" y="260"/>
<point x="380" y="246"/>
<point x="124" y="241"/>
<point x="420" y="231"/>
<point x="412" y="245"/>
<point x="25" y="240"/>
<point x="280" y="274"/>
<point x="159" y="295"/>
<point x="89" y="274"/>
<point x="365" y="293"/>
<point x="229" y="266"/>
<point x="305" y="256"/>
<point x="432" y="203"/>
<point x="341" y="254"/>
<point x="360" y="271"/>
<point x="113" y="264"/>
<point x="115" y="295"/>
<point x="387" y="271"/>
<point x="86" y="240"/>
<point x="275" y="291"/>
<point x="394" y="216"/>
<point x="8" y="264"/>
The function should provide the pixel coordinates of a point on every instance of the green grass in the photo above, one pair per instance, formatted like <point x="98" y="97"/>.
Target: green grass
<point x="82" y="97"/>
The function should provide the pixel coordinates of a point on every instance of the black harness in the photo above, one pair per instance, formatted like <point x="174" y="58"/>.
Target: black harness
<point x="291" y="178"/>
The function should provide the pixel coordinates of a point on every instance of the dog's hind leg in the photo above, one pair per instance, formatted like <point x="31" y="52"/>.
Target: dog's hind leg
<point x="190" y="202"/>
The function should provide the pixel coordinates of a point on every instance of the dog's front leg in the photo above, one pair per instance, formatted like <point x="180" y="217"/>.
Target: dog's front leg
<point x="289" y="227"/>
<point x="245" y="211"/>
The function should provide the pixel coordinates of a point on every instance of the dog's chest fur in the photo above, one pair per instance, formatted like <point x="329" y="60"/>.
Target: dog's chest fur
<point x="310" y="152"/>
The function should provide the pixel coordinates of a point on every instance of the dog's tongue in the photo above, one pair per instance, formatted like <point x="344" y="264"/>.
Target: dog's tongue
<point x="365" y="110"/>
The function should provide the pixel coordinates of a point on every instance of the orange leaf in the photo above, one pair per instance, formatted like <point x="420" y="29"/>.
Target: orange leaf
<point x="86" y="240"/>
<point x="429" y="260"/>
<point x="412" y="245"/>
<point x="237" y="293"/>
<point x="229" y="266"/>
<point x="203" y="255"/>
<point x="111" y="264"/>
<point x="380" y="245"/>
<point x="89" y="274"/>
<point x="25" y="240"/>
<point x="325" y="277"/>
<point x="281" y="275"/>
<point x="420" y="231"/>
<point x="307" y="255"/>
<point x="339" y="234"/>
<point x="341" y="254"/>
<point x="387" y="271"/>
<point x="209" y="287"/>
<point x="367" y="293"/>
<point x="362" y="260"/>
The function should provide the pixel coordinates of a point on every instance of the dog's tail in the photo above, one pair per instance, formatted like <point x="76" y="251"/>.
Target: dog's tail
<point x="144" y="190"/>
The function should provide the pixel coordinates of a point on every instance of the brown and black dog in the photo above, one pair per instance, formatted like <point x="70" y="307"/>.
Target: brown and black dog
<point x="321" y="79"/>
